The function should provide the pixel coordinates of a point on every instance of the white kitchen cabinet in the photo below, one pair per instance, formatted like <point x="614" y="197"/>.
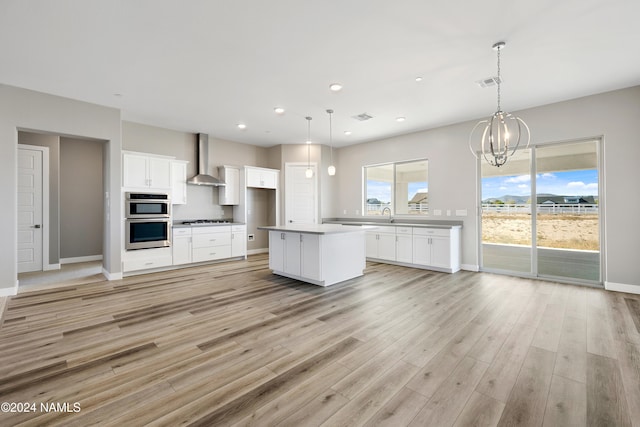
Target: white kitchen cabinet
<point x="210" y="243"/>
<point x="262" y="177"/>
<point x="404" y="244"/>
<point x="381" y="243"/>
<point x="238" y="240"/>
<point x="179" y="182"/>
<point x="437" y="248"/>
<point x="276" y="250"/>
<point x="181" y="245"/>
<point x="229" y="194"/>
<point x="145" y="171"/>
<point x="309" y="256"/>
<point x="321" y="255"/>
<point x="145" y="259"/>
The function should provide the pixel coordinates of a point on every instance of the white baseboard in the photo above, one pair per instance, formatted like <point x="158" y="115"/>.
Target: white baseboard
<point x="49" y="267"/>
<point x="74" y="260"/>
<point x="7" y="292"/>
<point x="257" y="251"/>
<point x="470" y="267"/>
<point x="111" y="276"/>
<point x="622" y="287"/>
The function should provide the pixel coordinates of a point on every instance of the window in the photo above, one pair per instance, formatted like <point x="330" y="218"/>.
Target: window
<point x="401" y="187"/>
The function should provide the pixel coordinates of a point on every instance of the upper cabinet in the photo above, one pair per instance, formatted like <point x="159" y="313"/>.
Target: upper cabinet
<point x="229" y="194"/>
<point x="262" y="177"/>
<point x="146" y="171"/>
<point x="179" y="182"/>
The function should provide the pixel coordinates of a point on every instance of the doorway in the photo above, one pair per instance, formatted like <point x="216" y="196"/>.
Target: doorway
<point x="541" y="213"/>
<point x="301" y="194"/>
<point x="33" y="207"/>
<point x="72" y="227"/>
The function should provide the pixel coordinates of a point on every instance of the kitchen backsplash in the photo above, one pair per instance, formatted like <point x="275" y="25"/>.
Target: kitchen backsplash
<point x="202" y="203"/>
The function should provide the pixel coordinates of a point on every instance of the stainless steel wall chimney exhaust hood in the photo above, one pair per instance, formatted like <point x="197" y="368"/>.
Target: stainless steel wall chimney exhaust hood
<point x="203" y="164"/>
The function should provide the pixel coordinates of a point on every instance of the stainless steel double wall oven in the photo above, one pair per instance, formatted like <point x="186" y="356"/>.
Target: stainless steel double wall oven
<point x="148" y="220"/>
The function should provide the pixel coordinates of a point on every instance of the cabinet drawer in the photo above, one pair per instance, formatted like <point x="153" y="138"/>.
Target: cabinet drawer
<point x="384" y="229"/>
<point x="404" y="230"/>
<point x="425" y="231"/>
<point x="212" y="253"/>
<point x="211" y="239"/>
<point x="146" y="263"/>
<point x="213" y="229"/>
<point x="240" y="228"/>
<point x="182" y="231"/>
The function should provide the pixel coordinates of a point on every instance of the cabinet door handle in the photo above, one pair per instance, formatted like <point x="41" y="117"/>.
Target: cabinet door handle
<point x="281" y="236"/>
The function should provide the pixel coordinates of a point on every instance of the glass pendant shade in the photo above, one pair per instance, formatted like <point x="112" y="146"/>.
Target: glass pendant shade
<point x="308" y="173"/>
<point x="331" y="170"/>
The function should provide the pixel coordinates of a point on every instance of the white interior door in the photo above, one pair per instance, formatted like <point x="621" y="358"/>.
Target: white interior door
<point x="301" y="194"/>
<point x="30" y="212"/>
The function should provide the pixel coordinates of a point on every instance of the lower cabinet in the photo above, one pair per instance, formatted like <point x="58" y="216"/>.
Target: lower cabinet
<point x="210" y="243"/>
<point x="181" y="246"/>
<point x="199" y="244"/>
<point x="435" y="248"/>
<point x="238" y="240"/>
<point x="145" y="259"/>
<point x="381" y="243"/>
<point x="321" y="259"/>
<point x="439" y="248"/>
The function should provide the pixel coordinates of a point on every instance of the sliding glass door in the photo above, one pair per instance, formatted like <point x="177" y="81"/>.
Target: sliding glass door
<point x="506" y="215"/>
<point x="568" y="216"/>
<point x="541" y="213"/>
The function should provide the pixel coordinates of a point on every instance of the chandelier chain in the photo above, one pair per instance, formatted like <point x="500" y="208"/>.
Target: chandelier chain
<point x="499" y="78"/>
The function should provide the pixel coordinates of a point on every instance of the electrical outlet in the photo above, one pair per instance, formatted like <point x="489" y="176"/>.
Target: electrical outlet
<point x="448" y="212"/>
<point x="251" y="237"/>
<point x="344" y="212"/>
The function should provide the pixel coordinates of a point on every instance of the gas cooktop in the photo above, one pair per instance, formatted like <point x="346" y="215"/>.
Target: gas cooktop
<point x="207" y="221"/>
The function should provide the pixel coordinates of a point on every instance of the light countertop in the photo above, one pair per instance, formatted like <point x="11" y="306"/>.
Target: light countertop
<point x="317" y="228"/>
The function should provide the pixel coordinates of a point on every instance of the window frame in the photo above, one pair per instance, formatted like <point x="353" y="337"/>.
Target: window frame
<point x="393" y="202"/>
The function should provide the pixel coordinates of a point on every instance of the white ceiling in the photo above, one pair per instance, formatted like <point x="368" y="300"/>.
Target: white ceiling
<point x="206" y="65"/>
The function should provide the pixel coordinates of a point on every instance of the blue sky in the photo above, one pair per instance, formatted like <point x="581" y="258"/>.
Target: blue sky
<point x="572" y="183"/>
<point x="382" y="190"/>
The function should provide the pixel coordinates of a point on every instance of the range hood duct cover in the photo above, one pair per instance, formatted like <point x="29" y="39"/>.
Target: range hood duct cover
<point x="202" y="178"/>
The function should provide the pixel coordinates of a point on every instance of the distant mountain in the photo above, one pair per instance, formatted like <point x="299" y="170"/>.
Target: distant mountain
<point x="521" y="199"/>
<point x="508" y="199"/>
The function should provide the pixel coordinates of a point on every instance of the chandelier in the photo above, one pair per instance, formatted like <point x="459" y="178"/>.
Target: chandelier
<point x="502" y="132"/>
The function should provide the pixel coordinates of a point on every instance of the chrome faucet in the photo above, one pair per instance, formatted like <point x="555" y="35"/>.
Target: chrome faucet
<point x="387" y="208"/>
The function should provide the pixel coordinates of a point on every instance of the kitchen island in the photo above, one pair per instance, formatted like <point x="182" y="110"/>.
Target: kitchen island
<point x="321" y="254"/>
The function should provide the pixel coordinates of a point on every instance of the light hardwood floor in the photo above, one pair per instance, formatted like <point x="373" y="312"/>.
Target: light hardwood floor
<point x="232" y="344"/>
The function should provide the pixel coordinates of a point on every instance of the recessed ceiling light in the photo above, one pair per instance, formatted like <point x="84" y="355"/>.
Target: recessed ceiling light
<point x="418" y="79"/>
<point x="242" y="126"/>
<point x="347" y="132"/>
<point x="278" y="110"/>
<point x="335" y="87"/>
<point x="400" y="119"/>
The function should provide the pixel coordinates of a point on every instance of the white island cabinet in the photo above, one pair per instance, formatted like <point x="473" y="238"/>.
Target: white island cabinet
<point x="319" y="254"/>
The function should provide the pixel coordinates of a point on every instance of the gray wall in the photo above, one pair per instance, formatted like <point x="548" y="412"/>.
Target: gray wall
<point x="53" y="143"/>
<point x="81" y="201"/>
<point x="27" y="110"/>
<point x="452" y="170"/>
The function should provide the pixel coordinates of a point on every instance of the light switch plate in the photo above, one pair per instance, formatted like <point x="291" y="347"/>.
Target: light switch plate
<point x="437" y="212"/>
<point x="448" y="212"/>
<point x="461" y="212"/>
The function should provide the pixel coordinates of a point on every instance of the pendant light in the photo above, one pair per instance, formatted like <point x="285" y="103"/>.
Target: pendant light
<point x="331" y="169"/>
<point x="309" y="172"/>
<point x="502" y="132"/>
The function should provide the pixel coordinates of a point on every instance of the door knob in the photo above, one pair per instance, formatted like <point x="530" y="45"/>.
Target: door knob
<point x="36" y="226"/>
